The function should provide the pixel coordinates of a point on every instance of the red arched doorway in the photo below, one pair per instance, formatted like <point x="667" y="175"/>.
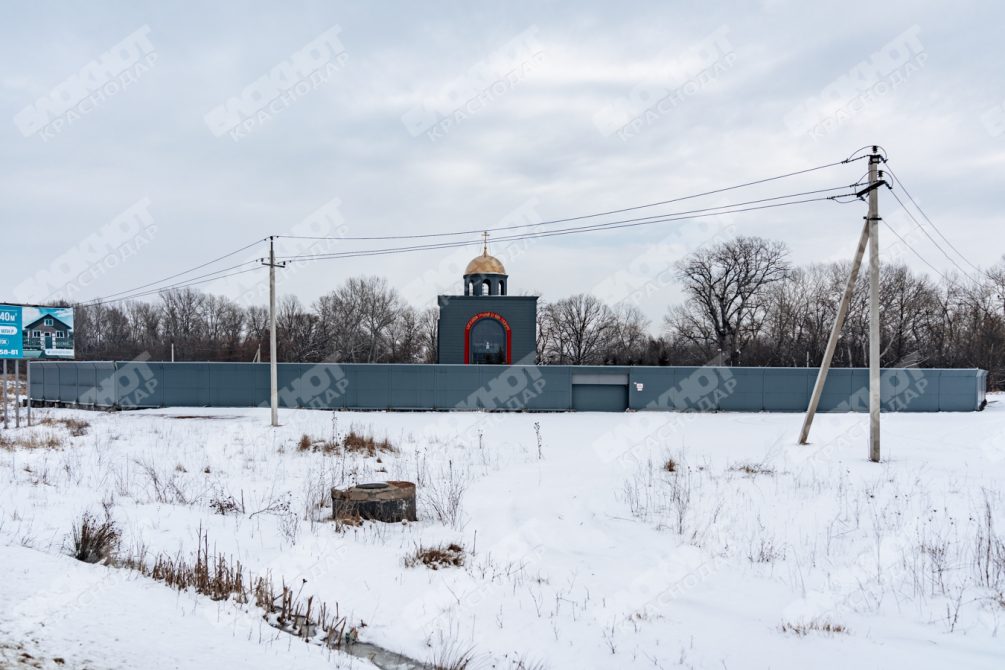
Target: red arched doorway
<point x="488" y="340"/>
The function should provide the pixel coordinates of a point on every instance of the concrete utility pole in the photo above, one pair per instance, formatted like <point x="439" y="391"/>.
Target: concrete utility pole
<point x="842" y="312"/>
<point x="273" y="369"/>
<point x="870" y="236"/>
<point x="874" y="407"/>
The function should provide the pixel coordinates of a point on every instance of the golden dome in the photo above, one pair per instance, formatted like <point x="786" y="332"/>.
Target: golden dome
<point x="485" y="265"/>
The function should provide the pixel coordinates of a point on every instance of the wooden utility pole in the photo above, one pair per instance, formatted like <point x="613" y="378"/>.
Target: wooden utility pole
<point x="874" y="399"/>
<point x="273" y="369"/>
<point x="870" y="237"/>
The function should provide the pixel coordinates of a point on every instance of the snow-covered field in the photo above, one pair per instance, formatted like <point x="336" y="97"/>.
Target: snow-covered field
<point x="582" y="549"/>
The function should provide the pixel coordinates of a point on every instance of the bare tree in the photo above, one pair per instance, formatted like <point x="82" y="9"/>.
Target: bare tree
<point x="404" y="337"/>
<point x="725" y="284"/>
<point x="629" y="335"/>
<point x="356" y="319"/>
<point x="578" y="330"/>
<point x="339" y="315"/>
<point x="429" y="334"/>
<point x="184" y="325"/>
<point x="690" y="337"/>
<point x="741" y="296"/>
<point x="256" y="320"/>
<point x="380" y="305"/>
<point x="145" y="326"/>
<point x="297" y="332"/>
<point x="224" y="325"/>
<point x="996" y="281"/>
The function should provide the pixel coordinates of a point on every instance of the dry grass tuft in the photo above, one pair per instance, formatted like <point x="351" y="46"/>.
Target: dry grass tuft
<point x="752" y="469"/>
<point x="444" y="494"/>
<point x="765" y="552"/>
<point x="31" y="440"/>
<point x="95" y="541"/>
<point x="802" y="629"/>
<point x="357" y="443"/>
<point x="76" y="427"/>
<point x="452" y="657"/>
<point x="227" y="505"/>
<point x="670" y="465"/>
<point x="220" y="579"/>
<point x="989" y="553"/>
<point x="449" y="556"/>
<point x="214" y="577"/>
<point x="344" y="517"/>
<point x="308" y="443"/>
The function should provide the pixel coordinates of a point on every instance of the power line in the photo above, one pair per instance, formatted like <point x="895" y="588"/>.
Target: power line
<point x="137" y="292"/>
<point x="932" y="223"/>
<point x="916" y="252"/>
<point x="185" y="272"/>
<point x="190" y="282"/>
<point x="532" y="235"/>
<point x="675" y="216"/>
<point x="168" y="288"/>
<point x="630" y="223"/>
<point x="577" y="218"/>
<point x="932" y="239"/>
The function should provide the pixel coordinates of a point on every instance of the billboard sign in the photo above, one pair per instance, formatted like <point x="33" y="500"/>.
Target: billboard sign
<point x="10" y="331"/>
<point x="29" y="331"/>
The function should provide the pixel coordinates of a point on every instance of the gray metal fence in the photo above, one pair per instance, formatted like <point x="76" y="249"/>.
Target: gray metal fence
<point x="139" y="383"/>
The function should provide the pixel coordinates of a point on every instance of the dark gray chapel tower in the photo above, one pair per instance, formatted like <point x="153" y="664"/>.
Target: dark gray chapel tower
<point x="486" y="326"/>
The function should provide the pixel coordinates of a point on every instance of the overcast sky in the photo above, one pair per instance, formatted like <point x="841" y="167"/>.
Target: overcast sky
<point x="142" y="139"/>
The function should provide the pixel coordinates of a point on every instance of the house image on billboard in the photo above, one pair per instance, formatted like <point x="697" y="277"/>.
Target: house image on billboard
<point x="48" y="335"/>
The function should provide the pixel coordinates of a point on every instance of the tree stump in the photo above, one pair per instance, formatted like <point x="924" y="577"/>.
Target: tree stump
<point x="382" y="501"/>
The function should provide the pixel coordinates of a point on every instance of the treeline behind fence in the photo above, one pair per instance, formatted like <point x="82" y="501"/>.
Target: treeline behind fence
<point x="744" y="304"/>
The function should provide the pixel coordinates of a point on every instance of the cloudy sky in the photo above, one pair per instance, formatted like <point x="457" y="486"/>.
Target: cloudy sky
<point x="140" y="140"/>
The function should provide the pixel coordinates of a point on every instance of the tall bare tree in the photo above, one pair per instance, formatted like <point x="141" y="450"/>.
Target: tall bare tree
<point x="726" y="283"/>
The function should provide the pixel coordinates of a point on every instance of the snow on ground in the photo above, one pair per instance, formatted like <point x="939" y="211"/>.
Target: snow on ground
<point x="57" y="612"/>
<point x="584" y="551"/>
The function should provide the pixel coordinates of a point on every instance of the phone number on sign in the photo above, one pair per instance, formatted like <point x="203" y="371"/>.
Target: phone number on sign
<point x="10" y="352"/>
